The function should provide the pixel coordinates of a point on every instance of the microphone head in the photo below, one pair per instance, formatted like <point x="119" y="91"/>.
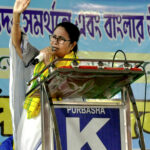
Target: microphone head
<point x="38" y="59"/>
<point x="53" y="49"/>
<point x="35" y="61"/>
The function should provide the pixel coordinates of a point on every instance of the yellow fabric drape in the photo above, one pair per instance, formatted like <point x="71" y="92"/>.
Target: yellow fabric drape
<point x="32" y="103"/>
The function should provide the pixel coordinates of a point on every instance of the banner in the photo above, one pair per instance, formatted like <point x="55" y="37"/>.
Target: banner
<point x="90" y="128"/>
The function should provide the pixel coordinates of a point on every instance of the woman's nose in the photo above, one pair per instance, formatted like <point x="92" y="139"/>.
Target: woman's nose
<point x="54" y="42"/>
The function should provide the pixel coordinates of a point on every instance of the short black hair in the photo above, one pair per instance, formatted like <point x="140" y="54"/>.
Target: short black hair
<point x="72" y="31"/>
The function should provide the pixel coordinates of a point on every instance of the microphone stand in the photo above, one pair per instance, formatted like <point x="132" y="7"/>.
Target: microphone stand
<point x="135" y="110"/>
<point x="48" y="116"/>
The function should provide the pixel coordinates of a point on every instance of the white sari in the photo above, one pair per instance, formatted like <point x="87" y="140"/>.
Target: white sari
<point x="26" y="132"/>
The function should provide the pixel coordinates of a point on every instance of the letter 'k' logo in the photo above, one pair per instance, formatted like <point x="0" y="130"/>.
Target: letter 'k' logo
<point x="77" y="139"/>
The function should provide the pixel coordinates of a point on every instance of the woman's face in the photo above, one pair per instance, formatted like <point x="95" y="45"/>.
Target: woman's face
<point x="61" y="48"/>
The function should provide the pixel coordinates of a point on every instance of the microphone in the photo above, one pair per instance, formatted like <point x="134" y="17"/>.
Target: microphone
<point x="53" y="49"/>
<point x="38" y="59"/>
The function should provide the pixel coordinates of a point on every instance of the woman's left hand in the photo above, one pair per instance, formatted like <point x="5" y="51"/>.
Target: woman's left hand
<point x="47" y="54"/>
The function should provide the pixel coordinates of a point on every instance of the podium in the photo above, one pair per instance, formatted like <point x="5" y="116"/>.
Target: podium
<point x="80" y="121"/>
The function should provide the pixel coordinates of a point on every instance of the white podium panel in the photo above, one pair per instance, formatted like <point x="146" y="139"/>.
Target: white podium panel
<point x="92" y="127"/>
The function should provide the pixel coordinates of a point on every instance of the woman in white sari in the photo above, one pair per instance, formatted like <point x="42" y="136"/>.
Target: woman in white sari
<point x="26" y="118"/>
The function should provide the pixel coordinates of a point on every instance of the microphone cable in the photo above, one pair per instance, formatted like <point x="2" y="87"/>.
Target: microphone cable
<point x="116" y="54"/>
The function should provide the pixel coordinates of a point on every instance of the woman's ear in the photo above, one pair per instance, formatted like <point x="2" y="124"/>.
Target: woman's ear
<point x="73" y="45"/>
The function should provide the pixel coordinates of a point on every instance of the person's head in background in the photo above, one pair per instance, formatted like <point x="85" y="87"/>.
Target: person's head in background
<point x="65" y="39"/>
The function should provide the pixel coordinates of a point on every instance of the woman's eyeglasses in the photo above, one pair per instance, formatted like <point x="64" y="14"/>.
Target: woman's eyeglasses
<point x="59" y="39"/>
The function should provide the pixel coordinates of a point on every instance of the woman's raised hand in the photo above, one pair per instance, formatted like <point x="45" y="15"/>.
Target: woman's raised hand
<point x="20" y="6"/>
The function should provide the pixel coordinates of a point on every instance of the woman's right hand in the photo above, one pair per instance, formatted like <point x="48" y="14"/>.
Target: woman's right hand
<point x="20" y="6"/>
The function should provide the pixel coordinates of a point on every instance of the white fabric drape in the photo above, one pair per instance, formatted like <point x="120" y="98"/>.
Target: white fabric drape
<point x="19" y="75"/>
